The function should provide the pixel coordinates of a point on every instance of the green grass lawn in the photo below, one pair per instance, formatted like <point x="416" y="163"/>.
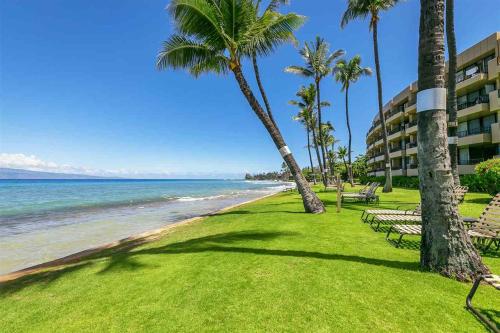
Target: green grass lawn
<point x="265" y="266"/>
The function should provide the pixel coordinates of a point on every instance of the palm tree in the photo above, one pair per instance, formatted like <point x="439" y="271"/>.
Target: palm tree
<point x="215" y="36"/>
<point x="446" y="247"/>
<point x="347" y="72"/>
<point x="342" y="153"/>
<point x="273" y="5"/>
<point x="319" y="64"/>
<point x="333" y="156"/>
<point x="307" y="105"/>
<point x="362" y="9"/>
<point x="452" y="94"/>
<point x="326" y="133"/>
<point x="307" y="118"/>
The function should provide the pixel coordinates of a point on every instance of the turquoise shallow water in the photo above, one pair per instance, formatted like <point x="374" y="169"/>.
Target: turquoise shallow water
<point x="43" y="220"/>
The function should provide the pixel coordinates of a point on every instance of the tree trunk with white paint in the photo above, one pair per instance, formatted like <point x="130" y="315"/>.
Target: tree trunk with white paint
<point x="446" y="247"/>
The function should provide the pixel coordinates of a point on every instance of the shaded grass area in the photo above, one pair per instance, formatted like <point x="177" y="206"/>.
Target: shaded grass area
<point x="266" y="267"/>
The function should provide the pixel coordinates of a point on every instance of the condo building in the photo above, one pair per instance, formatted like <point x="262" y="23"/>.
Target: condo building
<point x="478" y="112"/>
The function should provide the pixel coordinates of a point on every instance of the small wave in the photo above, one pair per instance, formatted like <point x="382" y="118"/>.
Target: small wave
<point x="212" y="197"/>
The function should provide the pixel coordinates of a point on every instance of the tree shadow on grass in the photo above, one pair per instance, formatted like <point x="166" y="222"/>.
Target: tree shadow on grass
<point x="483" y="201"/>
<point x="214" y="243"/>
<point x="492" y="315"/>
<point x="126" y="259"/>
<point x="41" y="279"/>
<point x="246" y="212"/>
<point x="406" y="244"/>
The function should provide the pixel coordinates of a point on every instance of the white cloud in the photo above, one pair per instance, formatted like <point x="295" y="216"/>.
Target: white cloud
<point x="33" y="163"/>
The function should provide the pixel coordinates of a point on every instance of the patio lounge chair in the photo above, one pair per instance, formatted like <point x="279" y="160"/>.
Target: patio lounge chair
<point x="484" y="231"/>
<point x="368" y="196"/>
<point x="492" y="280"/>
<point x="394" y="219"/>
<point x="370" y="213"/>
<point x="460" y="192"/>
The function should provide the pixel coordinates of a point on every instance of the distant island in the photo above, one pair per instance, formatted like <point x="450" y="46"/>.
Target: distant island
<point x="7" y="173"/>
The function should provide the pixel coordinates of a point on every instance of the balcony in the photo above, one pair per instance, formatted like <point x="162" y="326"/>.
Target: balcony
<point x="395" y="152"/>
<point x="495" y="133"/>
<point x="474" y="109"/>
<point x="393" y="115"/>
<point x="493" y="68"/>
<point x="473" y="131"/>
<point x="474" y="136"/>
<point x="411" y="107"/>
<point x="394" y="133"/>
<point x="411" y="148"/>
<point x="494" y="97"/>
<point x="472" y="161"/>
<point x="466" y="167"/>
<point x="411" y="127"/>
<point x="471" y="81"/>
<point x="397" y="170"/>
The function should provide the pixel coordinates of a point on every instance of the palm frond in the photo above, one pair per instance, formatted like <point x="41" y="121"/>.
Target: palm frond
<point x="270" y="31"/>
<point x="182" y="52"/>
<point x="199" y="19"/>
<point x="299" y="71"/>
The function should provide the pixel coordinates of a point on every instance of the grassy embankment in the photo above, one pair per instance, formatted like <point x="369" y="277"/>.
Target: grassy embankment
<point x="265" y="266"/>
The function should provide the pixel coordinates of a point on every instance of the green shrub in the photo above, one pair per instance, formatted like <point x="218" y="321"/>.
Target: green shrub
<point x="492" y="165"/>
<point x="486" y="178"/>
<point x="397" y="181"/>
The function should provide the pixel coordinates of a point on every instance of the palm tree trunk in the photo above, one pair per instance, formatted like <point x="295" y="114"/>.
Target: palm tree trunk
<point x="445" y="247"/>
<point x="345" y="165"/>
<point x="452" y="94"/>
<point x="318" y="156"/>
<point x="388" y="171"/>
<point x="332" y="161"/>
<point x="321" y="143"/>
<point x="332" y="171"/>
<point x="310" y="156"/>
<point x="261" y="88"/>
<point x="311" y="202"/>
<point x="349" y="172"/>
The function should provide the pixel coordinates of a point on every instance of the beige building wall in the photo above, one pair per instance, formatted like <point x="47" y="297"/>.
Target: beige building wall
<point x="478" y="102"/>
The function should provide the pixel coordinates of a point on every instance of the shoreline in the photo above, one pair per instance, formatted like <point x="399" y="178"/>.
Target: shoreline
<point x="133" y="240"/>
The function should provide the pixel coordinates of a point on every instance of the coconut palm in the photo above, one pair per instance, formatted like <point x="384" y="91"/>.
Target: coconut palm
<point x="362" y="9"/>
<point x="342" y="154"/>
<point x="451" y="103"/>
<point x="272" y="6"/>
<point x="319" y="64"/>
<point x="347" y="72"/>
<point x="307" y="119"/>
<point x="215" y="36"/>
<point x="445" y="248"/>
<point x="333" y="156"/>
<point x="307" y="105"/>
<point x="329" y="140"/>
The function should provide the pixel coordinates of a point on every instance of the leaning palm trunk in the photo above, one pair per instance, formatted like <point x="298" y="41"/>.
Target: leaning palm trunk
<point x="387" y="161"/>
<point x="349" y="171"/>
<point x="446" y="247"/>
<point x="310" y="156"/>
<point x="452" y="94"/>
<point x="261" y="88"/>
<point x="321" y="143"/>
<point x="312" y="204"/>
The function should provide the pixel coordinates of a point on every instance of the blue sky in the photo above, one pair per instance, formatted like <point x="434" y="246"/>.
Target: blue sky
<point x="79" y="89"/>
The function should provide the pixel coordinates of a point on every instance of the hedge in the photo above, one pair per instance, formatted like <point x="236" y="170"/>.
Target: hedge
<point x="485" y="179"/>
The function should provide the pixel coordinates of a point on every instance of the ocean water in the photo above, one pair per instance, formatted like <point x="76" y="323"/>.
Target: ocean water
<point x="42" y="220"/>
